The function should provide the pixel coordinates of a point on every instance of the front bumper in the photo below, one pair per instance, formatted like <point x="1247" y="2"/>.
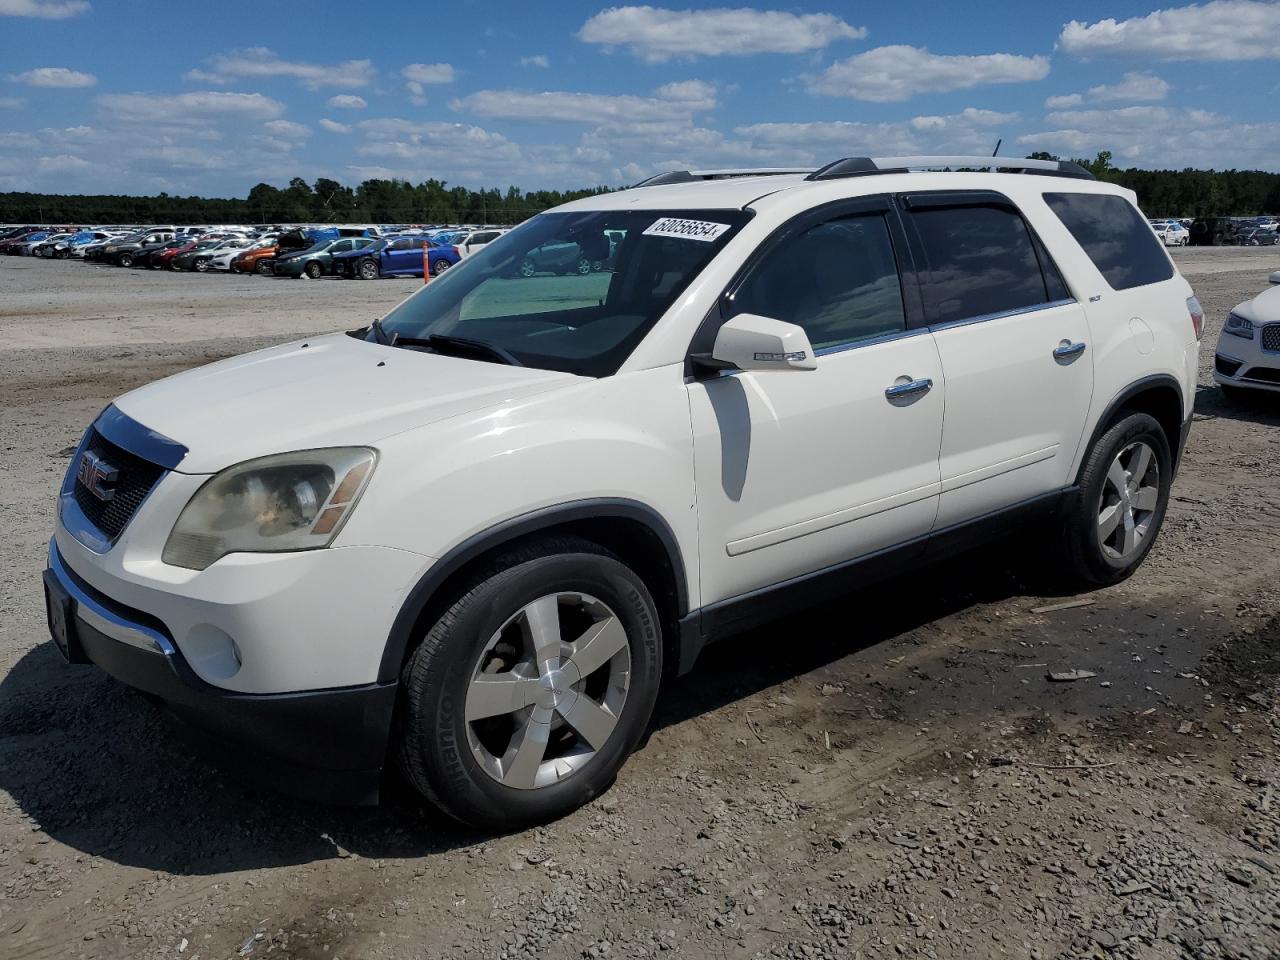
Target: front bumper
<point x="288" y="268"/>
<point x="1238" y="362"/>
<point x="321" y="744"/>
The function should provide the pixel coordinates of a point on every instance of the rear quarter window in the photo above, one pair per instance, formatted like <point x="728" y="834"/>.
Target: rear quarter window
<point x="1116" y="238"/>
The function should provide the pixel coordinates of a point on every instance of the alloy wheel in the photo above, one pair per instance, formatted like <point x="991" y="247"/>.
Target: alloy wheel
<point x="1130" y="495"/>
<point x="548" y="690"/>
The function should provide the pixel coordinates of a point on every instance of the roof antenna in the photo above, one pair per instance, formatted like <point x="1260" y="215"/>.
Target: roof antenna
<point x="996" y="151"/>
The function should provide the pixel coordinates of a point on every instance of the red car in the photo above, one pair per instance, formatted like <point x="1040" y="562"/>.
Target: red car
<point x="164" y="258"/>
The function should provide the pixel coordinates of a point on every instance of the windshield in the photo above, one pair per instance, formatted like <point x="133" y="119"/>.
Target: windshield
<point x="569" y="291"/>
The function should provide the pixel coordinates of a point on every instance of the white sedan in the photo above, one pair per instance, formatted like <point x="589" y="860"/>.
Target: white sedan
<point x="1171" y="232"/>
<point x="1248" y="352"/>
<point x="221" y="256"/>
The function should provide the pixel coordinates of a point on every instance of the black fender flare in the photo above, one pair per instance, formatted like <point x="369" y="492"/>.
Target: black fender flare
<point x="1127" y="394"/>
<point x="401" y="634"/>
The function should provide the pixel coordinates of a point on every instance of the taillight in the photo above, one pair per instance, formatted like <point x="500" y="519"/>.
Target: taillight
<point x="1197" y="316"/>
<point x="455" y="251"/>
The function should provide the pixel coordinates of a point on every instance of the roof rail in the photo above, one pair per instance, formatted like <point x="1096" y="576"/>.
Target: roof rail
<point x="867" y="166"/>
<point x="694" y="176"/>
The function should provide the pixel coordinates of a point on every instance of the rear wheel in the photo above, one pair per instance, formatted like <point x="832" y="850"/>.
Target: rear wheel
<point x="313" y="270"/>
<point x="440" y="266"/>
<point x="527" y="267"/>
<point x="262" y="268"/>
<point x="527" y="695"/>
<point x="584" y="266"/>
<point x="125" y="260"/>
<point x="1123" y="494"/>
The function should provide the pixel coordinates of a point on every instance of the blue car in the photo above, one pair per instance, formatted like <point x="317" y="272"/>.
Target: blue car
<point x="395" y="257"/>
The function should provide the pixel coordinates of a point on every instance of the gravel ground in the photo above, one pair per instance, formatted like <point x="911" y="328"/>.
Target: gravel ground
<point x="903" y="781"/>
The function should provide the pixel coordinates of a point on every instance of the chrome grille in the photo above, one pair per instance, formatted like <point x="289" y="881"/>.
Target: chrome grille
<point x="1271" y="337"/>
<point x="135" y="479"/>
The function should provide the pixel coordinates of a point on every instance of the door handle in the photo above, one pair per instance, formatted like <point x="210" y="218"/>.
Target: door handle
<point x="912" y="388"/>
<point x="1068" y="351"/>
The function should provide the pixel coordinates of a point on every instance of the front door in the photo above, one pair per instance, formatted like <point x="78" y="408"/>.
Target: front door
<point x="800" y="470"/>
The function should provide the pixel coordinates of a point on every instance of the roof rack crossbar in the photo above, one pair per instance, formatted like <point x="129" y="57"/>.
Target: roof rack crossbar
<point x="694" y="176"/>
<point x="866" y="166"/>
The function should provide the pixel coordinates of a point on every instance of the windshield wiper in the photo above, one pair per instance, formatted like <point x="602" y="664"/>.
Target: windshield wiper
<point x="465" y="346"/>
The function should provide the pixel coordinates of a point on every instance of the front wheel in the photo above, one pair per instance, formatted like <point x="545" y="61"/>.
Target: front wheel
<point x="368" y="270"/>
<point x="263" y="268"/>
<point x="526" y="697"/>
<point x="1121" y="502"/>
<point x="313" y="270"/>
<point x="201" y="265"/>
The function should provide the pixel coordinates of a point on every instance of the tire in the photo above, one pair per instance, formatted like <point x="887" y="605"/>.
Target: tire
<point x="125" y="260"/>
<point x="313" y="270"/>
<point x="584" y="266"/>
<point x="455" y="762"/>
<point x="440" y="266"/>
<point x="1094" y="554"/>
<point x="200" y="265"/>
<point x="263" y="267"/>
<point x="367" y="270"/>
<point x="527" y="267"/>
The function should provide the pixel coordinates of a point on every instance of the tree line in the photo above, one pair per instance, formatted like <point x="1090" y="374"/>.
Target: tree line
<point x="325" y="201"/>
<point x="1181" y="193"/>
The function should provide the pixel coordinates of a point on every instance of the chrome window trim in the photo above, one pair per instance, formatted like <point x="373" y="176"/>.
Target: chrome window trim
<point x="1000" y="315"/>
<point x="105" y="621"/>
<point x="870" y="341"/>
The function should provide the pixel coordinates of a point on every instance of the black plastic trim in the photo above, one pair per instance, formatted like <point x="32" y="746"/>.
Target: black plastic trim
<point x="740" y="613"/>
<point x="1127" y="394"/>
<point x="128" y="434"/>
<point x="509" y="530"/>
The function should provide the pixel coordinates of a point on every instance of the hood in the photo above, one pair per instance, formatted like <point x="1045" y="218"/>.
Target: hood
<point x="329" y="391"/>
<point x="1265" y="307"/>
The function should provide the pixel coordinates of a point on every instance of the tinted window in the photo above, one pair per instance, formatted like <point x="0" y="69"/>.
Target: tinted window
<point x="981" y="260"/>
<point x="1112" y="233"/>
<point x="404" y="243"/>
<point x="838" y="280"/>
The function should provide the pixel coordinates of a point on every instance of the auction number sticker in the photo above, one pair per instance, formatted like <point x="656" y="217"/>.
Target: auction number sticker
<point x="686" y="229"/>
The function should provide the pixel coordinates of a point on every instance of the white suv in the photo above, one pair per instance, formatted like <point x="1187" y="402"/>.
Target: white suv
<point x="477" y="535"/>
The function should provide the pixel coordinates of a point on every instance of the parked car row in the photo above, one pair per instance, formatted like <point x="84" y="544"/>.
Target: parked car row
<point x="355" y="252"/>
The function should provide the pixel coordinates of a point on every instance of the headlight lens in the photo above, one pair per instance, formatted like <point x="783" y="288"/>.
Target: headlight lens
<point x="1239" y="327"/>
<point x="290" y="501"/>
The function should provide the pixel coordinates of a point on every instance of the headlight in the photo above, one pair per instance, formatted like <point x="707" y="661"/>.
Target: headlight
<point x="1238" y="327"/>
<point x="290" y="501"/>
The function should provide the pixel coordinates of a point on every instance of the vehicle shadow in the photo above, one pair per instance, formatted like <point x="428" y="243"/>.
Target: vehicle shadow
<point x="99" y="767"/>
<point x="1249" y="406"/>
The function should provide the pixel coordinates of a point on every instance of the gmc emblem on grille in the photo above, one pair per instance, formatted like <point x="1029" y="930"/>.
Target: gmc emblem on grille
<point x="97" y="476"/>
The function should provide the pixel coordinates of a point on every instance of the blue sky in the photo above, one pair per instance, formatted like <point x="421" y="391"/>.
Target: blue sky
<point x="211" y="98"/>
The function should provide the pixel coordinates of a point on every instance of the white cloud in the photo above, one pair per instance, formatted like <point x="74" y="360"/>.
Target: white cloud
<point x="287" y="129"/>
<point x="1064" y="102"/>
<point x="61" y="77"/>
<point x="12" y="103"/>
<point x="888" y="74"/>
<point x="1134" y="88"/>
<point x="188" y="108"/>
<point x="429" y="72"/>
<point x="347" y="101"/>
<point x="537" y="60"/>
<point x="334" y="127"/>
<point x="418" y="75"/>
<point x="673" y="102"/>
<point x="62" y="163"/>
<point x="43" y="9"/>
<point x="1222" y="30"/>
<point x="657" y="34"/>
<point x="260" y="63"/>
<point x="1160" y="137"/>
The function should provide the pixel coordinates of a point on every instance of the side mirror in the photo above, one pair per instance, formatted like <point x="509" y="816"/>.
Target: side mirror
<point x="752" y="342"/>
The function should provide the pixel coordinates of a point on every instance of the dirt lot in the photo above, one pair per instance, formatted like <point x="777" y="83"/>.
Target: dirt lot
<point x="890" y="776"/>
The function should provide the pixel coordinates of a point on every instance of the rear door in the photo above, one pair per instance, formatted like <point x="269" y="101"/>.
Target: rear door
<point x="1014" y="350"/>
<point x="803" y="470"/>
